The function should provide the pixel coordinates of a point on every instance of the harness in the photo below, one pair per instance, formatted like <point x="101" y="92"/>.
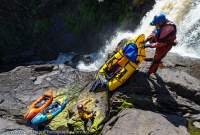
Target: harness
<point x="170" y="37"/>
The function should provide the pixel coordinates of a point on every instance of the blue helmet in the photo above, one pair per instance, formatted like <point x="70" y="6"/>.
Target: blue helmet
<point x="158" y="19"/>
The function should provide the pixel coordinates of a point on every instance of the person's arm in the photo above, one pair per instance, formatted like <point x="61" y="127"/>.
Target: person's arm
<point x="91" y="114"/>
<point x="151" y="38"/>
<point x="86" y="102"/>
<point x="157" y="45"/>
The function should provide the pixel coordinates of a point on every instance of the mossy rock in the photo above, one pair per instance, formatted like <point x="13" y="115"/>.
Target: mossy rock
<point x="192" y="129"/>
<point x="62" y="118"/>
<point x="76" y="125"/>
<point x="119" y="103"/>
<point x="95" y="102"/>
<point x="97" y="124"/>
<point x="126" y="104"/>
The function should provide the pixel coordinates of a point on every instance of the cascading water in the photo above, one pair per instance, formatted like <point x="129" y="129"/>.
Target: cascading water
<point x="102" y="55"/>
<point x="188" y="36"/>
<point x="183" y="12"/>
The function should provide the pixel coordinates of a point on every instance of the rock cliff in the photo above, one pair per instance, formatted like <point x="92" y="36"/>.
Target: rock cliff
<point x="168" y="101"/>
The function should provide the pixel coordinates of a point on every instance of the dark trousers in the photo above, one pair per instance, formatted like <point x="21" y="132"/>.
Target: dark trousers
<point x="86" y="122"/>
<point x="159" y="55"/>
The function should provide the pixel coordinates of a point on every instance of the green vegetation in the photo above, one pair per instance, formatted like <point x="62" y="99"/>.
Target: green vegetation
<point x="37" y="25"/>
<point x="120" y="103"/>
<point x="193" y="130"/>
<point x="42" y="26"/>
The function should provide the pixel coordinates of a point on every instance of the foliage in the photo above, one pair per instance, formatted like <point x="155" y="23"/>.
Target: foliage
<point x="192" y="130"/>
<point x="34" y="24"/>
<point x="119" y="103"/>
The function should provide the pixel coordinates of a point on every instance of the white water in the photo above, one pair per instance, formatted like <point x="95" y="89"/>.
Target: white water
<point x="189" y="33"/>
<point x="185" y="13"/>
<point x="102" y="55"/>
<point x="63" y="58"/>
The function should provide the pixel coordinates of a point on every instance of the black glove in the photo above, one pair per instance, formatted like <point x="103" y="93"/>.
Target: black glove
<point x="146" y="45"/>
<point x="94" y="113"/>
<point x="175" y="43"/>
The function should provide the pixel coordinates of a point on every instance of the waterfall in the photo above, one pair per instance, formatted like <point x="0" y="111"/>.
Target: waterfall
<point x="188" y="35"/>
<point x="182" y="12"/>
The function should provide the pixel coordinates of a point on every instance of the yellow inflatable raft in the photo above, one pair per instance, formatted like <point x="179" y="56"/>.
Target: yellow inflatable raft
<point x="122" y="64"/>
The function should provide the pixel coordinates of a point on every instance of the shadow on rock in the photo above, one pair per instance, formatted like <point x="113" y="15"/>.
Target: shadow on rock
<point x="153" y="94"/>
<point x="162" y="95"/>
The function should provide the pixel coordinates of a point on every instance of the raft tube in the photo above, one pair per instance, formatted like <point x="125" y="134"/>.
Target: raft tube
<point x="39" y="105"/>
<point x="120" y="66"/>
<point x="51" y="111"/>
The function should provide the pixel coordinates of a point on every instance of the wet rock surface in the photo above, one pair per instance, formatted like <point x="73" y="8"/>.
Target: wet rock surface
<point x="174" y="93"/>
<point x="11" y="127"/>
<point x="173" y="90"/>
<point x="139" y="122"/>
<point x="23" y="85"/>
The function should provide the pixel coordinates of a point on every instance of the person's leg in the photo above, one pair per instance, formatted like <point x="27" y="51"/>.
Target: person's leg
<point x="159" y="55"/>
<point x="85" y="125"/>
<point x="92" y="119"/>
<point x="154" y="66"/>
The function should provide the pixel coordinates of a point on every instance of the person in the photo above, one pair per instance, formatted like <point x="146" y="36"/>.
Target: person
<point x="84" y="114"/>
<point x="162" y="38"/>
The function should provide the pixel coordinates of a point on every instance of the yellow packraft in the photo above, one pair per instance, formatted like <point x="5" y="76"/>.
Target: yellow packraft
<point x="120" y="66"/>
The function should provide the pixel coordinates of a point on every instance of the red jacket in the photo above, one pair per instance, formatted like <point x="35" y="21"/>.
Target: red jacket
<point x="165" y="37"/>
